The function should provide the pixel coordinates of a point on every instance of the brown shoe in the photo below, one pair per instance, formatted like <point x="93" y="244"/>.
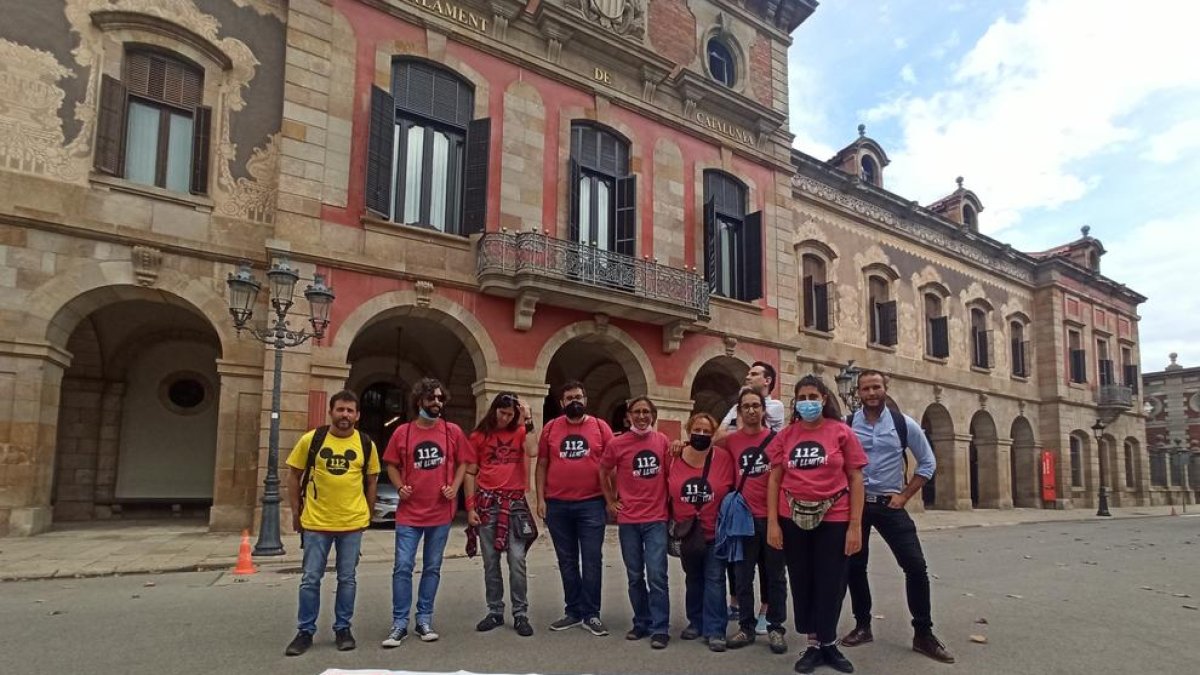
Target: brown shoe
<point x="861" y="635"/>
<point x="932" y="647"/>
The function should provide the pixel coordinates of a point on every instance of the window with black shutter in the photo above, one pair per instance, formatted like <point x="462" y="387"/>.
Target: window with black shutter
<point x="1079" y="366"/>
<point x="152" y="126"/>
<point x="937" y="336"/>
<point x="881" y="311"/>
<point x="603" y="194"/>
<point x="816" y="293"/>
<point x="427" y="159"/>
<point x="981" y="356"/>
<point x="1130" y="376"/>
<point x="1105" y="371"/>
<point x="732" y="239"/>
<point x="1018" y="348"/>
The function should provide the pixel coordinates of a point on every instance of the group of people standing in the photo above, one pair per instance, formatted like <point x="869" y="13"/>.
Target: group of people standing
<point x="792" y="500"/>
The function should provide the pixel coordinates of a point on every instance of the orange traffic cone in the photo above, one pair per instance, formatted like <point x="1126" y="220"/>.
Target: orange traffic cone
<point x="244" y="564"/>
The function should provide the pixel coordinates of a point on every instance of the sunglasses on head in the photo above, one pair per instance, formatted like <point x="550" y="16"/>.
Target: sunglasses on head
<point x="508" y="400"/>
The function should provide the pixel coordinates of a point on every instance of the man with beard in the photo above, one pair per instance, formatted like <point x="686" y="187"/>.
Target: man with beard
<point x="571" y="502"/>
<point x="331" y="482"/>
<point x="884" y="432"/>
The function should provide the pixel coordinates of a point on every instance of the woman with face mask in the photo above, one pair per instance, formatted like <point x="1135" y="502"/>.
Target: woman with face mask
<point x="634" y="481"/>
<point x="698" y="479"/>
<point x="815" y="505"/>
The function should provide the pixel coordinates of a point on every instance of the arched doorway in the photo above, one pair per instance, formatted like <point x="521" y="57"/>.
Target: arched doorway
<point x="939" y="429"/>
<point x="138" y="412"/>
<point x="608" y="369"/>
<point x="716" y="385"/>
<point x="984" y="462"/>
<point x="1023" y="463"/>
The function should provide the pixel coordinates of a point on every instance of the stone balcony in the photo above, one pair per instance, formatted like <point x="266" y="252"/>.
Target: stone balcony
<point x="1116" y="398"/>
<point x="534" y="267"/>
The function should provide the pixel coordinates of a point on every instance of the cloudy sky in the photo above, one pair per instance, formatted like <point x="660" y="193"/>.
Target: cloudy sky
<point x="1059" y="113"/>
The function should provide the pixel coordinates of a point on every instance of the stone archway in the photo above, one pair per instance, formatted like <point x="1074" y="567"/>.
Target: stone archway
<point x="940" y="493"/>
<point x="1024" y="465"/>
<point x="716" y="385"/>
<point x="985" y="474"/>
<point x="611" y="365"/>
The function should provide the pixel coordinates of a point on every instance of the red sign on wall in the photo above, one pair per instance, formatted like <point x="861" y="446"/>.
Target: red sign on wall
<point x="1049" y="482"/>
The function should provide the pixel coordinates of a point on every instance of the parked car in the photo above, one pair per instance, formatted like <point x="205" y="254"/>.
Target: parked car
<point x="386" y="500"/>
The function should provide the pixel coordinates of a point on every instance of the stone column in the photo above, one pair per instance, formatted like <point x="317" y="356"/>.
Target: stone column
<point x="236" y="480"/>
<point x="953" y="477"/>
<point x="30" y="385"/>
<point x="108" y="449"/>
<point x="673" y="414"/>
<point x="995" y="475"/>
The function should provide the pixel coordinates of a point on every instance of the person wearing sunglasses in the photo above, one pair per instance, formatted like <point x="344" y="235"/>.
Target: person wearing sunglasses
<point x="426" y="460"/>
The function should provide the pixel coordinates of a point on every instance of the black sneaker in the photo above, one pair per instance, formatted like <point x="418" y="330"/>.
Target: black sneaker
<point x="344" y="639"/>
<point x="565" y="623"/>
<point x="809" y="660"/>
<point x="689" y="633"/>
<point x="637" y="634"/>
<point x="596" y="626"/>
<point x="660" y="641"/>
<point x="299" y="644"/>
<point x="521" y="625"/>
<point x="426" y="633"/>
<point x="490" y="622"/>
<point x="716" y="643"/>
<point x="741" y="639"/>
<point x="394" y="637"/>
<point x="834" y="659"/>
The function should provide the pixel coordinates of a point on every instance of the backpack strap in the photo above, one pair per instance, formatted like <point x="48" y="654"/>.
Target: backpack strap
<point x="762" y="448"/>
<point x="367" y="447"/>
<point x="901" y="424"/>
<point x="314" y="446"/>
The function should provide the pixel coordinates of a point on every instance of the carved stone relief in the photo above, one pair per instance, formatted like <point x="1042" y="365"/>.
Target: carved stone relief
<point x="621" y="17"/>
<point x="31" y="136"/>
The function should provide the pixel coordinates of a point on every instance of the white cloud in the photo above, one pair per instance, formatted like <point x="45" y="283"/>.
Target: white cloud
<point x="808" y="111"/>
<point x="899" y="43"/>
<point x="907" y="75"/>
<point x="1175" y="143"/>
<point x="1034" y="98"/>
<point x="944" y="47"/>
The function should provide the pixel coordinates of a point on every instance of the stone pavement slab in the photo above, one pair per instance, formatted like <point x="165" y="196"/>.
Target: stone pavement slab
<point x="101" y="549"/>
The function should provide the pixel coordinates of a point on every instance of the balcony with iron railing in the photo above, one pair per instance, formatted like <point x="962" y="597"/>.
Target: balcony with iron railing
<point x="1116" y="397"/>
<point x="537" y="268"/>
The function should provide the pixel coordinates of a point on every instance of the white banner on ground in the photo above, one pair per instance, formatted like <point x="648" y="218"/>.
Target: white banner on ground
<point x="339" y="671"/>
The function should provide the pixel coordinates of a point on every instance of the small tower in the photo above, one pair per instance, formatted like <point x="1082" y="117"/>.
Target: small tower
<point x="863" y="158"/>
<point x="961" y="206"/>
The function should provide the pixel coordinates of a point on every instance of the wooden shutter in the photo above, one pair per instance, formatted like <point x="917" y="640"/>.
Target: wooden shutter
<point x="985" y="346"/>
<point x="201" y="135"/>
<point x="712" y="247"/>
<point x="380" y="142"/>
<point x="1106" y="371"/>
<point x="940" y="334"/>
<point x="821" y="305"/>
<point x="1079" y="365"/>
<point x="626" y="216"/>
<point x="475" y="176"/>
<point x="573" y="175"/>
<point x="1131" y="377"/>
<point x="110" y="128"/>
<point x="1018" y="357"/>
<point x="752" y="257"/>
<point x="887" y="318"/>
<point x="810" y="302"/>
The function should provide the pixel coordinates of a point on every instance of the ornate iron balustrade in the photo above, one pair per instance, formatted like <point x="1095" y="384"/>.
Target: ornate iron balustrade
<point x="1114" y="396"/>
<point x="516" y="253"/>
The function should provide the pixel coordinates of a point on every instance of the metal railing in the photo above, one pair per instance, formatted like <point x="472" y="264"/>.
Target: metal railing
<point x="1115" y="395"/>
<point x="537" y="253"/>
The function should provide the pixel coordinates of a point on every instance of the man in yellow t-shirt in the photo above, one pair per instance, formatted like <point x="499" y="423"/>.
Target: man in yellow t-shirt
<point x="331" y="489"/>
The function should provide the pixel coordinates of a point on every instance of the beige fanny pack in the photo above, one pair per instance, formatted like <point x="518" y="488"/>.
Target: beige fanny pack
<point x="807" y="515"/>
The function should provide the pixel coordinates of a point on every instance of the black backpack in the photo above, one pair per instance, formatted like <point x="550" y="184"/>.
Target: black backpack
<point x="314" y="447"/>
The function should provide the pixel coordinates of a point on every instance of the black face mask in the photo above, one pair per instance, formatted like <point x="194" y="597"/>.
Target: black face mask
<point x="700" y="442"/>
<point x="574" y="410"/>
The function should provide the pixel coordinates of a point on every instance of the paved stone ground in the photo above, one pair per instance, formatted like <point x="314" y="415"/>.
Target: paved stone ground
<point x="108" y="548"/>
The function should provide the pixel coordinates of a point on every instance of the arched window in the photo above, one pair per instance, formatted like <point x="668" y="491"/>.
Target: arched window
<point x="1130" y="465"/>
<point x="981" y="343"/>
<point x="721" y="64"/>
<point x="816" y="293"/>
<point x="733" y="239"/>
<point x="603" y="194"/>
<point x="970" y="217"/>
<point x="870" y="170"/>
<point x="1076" y="462"/>
<point x="427" y="157"/>
<point x="937" y="333"/>
<point x="153" y="128"/>
<point x="881" y="310"/>
<point x="1019" y="347"/>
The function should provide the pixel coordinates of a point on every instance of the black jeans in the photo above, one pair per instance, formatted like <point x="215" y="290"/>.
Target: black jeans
<point x="772" y="579"/>
<point x="900" y="534"/>
<point x="816" y="564"/>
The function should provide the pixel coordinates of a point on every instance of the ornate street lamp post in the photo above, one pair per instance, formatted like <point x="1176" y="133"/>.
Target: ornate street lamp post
<point x="847" y="385"/>
<point x="1098" y="432"/>
<point x="243" y="290"/>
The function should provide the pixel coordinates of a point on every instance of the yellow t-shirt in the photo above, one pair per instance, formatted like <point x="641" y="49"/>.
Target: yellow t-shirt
<point x="334" y="501"/>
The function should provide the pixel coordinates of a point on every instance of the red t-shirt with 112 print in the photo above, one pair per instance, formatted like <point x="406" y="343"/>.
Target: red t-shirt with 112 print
<point x="572" y="454"/>
<point x="689" y="492"/>
<point x="427" y="460"/>
<point x="814" y="465"/>
<point x="638" y="465"/>
<point x="750" y="458"/>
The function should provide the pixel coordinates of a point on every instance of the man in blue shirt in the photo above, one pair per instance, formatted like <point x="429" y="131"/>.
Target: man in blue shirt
<point x="876" y="426"/>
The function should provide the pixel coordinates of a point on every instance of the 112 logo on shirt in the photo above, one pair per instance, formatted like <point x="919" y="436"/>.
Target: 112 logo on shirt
<point x="573" y="447"/>
<point x="696" y="491"/>
<point x="808" y="455"/>
<point x="646" y="464"/>
<point x="428" y="455"/>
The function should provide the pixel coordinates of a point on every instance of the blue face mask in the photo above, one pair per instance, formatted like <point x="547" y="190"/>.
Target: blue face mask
<point x="426" y="414"/>
<point x="809" y="411"/>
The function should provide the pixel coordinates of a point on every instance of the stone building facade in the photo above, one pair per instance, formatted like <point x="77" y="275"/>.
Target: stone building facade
<point x="1171" y="400"/>
<point x="504" y="195"/>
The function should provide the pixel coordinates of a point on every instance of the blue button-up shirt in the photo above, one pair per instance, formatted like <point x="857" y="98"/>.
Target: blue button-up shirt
<point x="884" y="473"/>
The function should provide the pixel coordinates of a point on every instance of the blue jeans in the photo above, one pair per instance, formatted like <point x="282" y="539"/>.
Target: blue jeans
<point x="577" y="530"/>
<point x="704" y="582"/>
<point x="644" y="549"/>
<point x="407" y="539"/>
<point x="316" y="556"/>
